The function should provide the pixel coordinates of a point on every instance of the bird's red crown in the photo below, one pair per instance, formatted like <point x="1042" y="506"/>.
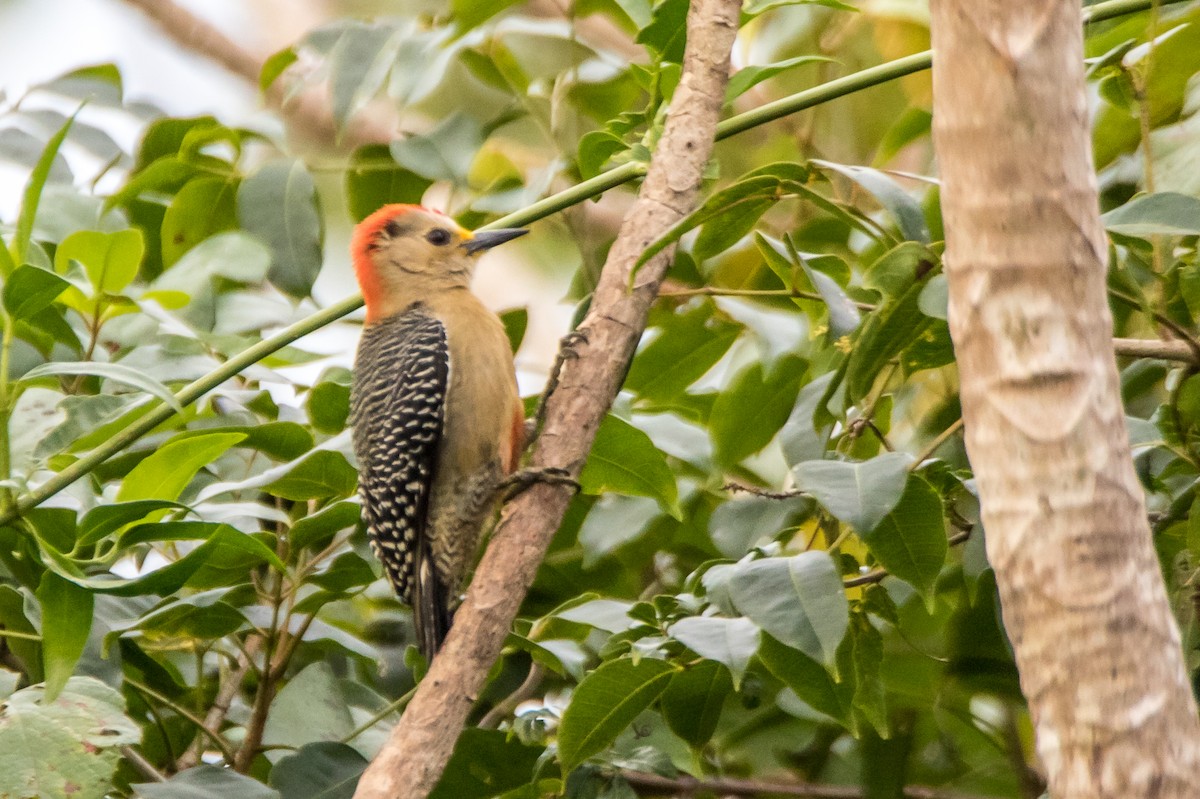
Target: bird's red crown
<point x="365" y="234"/>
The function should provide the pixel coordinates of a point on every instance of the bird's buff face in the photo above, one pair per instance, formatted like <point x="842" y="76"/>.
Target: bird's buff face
<point x="403" y="252"/>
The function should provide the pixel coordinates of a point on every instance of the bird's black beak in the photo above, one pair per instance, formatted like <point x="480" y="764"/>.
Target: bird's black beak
<point x="487" y="239"/>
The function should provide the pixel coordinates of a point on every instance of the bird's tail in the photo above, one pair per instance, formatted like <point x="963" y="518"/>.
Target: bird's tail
<point x="431" y="607"/>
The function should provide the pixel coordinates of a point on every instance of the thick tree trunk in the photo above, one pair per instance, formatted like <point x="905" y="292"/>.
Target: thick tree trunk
<point x="1083" y="598"/>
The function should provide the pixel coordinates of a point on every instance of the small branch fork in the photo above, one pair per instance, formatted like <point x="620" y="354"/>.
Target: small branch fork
<point x="412" y="760"/>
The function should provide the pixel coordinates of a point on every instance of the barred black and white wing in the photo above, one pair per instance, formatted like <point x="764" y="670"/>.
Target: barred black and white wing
<point x="397" y="408"/>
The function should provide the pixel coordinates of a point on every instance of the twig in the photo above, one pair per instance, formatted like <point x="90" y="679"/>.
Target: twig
<point x="220" y="707"/>
<point x="1164" y="320"/>
<point x="182" y="711"/>
<point x="934" y="445"/>
<point x="412" y="760"/>
<point x="143" y="765"/>
<point x="266" y="683"/>
<point x="399" y="704"/>
<point x="728" y="786"/>
<point x="509" y="703"/>
<point x="763" y="492"/>
<point x="1172" y="350"/>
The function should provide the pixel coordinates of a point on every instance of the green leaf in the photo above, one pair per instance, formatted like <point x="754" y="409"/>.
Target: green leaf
<point x="204" y="207"/>
<point x="29" y="290"/>
<point x="469" y="14"/>
<point x="322" y="770"/>
<point x="111" y="260"/>
<point x="67" y="747"/>
<point x="15" y="608"/>
<point x="730" y="642"/>
<point x="66" y="623"/>
<point x="688" y="346"/>
<point x="278" y="203"/>
<point x="104" y="520"/>
<point x="445" y="153"/>
<point x="692" y="702"/>
<point x="887" y="332"/>
<point x="374" y="180"/>
<point x="898" y="203"/>
<point x="790" y="266"/>
<point x="206" y="782"/>
<point x="809" y="679"/>
<point x="609" y="615"/>
<point x="869" y="696"/>
<point x="1165" y="213"/>
<point x="33" y="194"/>
<point x="282" y="441"/>
<point x="311" y="707"/>
<point x="666" y="34"/>
<point x="736" y="526"/>
<point x="910" y="542"/>
<point x="116" y="372"/>
<point x="605" y="703"/>
<point x="359" y="65"/>
<point x="747" y="78"/>
<point x="328" y="407"/>
<point x="625" y="461"/>
<point x="727" y="229"/>
<point x="322" y="474"/>
<point x="747" y="414"/>
<point x="200" y="617"/>
<point x="613" y="522"/>
<point x="799" y="600"/>
<point x="934" y="299"/>
<point x="516" y="321"/>
<point x="316" y="530"/>
<point x="274" y="66"/>
<point x="226" y="556"/>
<point x="802" y="437"/>
<point x="487" y="763"/>
<point x="751" y="189"/>
<point x="97" y="83"/>
<point x="167" y="472"/>
<point x="859" y="494"/>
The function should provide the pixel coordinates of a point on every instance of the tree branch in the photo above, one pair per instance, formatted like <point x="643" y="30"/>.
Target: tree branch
<point x="412" y="761"/>
<point x="1172" y="350"/>
<point x="653" y="784"/>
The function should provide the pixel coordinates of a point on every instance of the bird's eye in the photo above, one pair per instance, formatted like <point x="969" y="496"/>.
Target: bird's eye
<point x="438" y="236"/>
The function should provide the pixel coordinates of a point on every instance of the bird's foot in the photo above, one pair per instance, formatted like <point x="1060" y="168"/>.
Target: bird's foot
<point x="569" y="342"/>
<point x="521" y="481"/>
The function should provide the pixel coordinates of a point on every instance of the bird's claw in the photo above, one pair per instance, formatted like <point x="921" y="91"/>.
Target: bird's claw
<point x="521" y="481"/>
<point x="569" y="342"/>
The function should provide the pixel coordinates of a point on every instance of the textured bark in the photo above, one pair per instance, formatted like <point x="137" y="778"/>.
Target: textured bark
<point x="412" y="761"/>
<point x="1083" y="598"/>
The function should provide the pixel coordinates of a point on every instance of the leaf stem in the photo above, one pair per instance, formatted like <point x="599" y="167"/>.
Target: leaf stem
<point x="399" y="704"/>
<point x="221" y="743"/>
<point x="6" y="409"/>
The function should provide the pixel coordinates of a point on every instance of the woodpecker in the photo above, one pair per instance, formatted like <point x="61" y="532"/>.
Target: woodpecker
<point x="438" y="423"/>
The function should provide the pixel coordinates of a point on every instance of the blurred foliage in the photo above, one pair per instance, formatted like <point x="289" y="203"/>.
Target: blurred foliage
<point x="836" y="622"/>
